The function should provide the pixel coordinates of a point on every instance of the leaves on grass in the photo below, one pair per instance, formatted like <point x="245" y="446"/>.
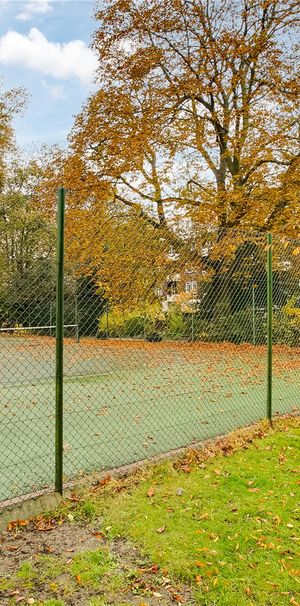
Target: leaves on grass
<point x="103" y="482"/>
<point x="151" y="492"/>
<point x="282" y="458"/>
<point x="99" y="535"/>
<point x="74" y="499"/>
<point x="203" y="516"/>
<point x="45" y="524"/>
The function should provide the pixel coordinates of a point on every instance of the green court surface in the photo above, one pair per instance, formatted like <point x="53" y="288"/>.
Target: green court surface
<point x="127" y="400"/>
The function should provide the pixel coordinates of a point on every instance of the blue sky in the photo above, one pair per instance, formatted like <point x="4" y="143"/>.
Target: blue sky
<point x="44" y="47"/>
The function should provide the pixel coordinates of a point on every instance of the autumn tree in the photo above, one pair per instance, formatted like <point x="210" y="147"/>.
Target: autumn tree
<point x="196" y="115"/>
<point x="197" y="108"/>
<point x="27" y="245"/>
<point x="12" y="103"/>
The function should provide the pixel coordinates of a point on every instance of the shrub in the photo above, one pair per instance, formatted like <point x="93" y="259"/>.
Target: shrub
<point x="151" y="323"/>
<point x="128" y="323"/>
<point x="286" y="324"/>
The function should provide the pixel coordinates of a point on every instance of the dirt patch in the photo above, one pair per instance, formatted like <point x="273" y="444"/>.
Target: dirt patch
<point x="138" y="580"/>
<point x="21" y="545"/>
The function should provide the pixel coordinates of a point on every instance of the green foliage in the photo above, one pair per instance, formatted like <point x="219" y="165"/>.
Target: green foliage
<point x="234" y="328"/>
<point x="175" y="323"/>
<point x="286" y="324"/>
<point x="132" y="323"/>
<point x="242" y="326"/>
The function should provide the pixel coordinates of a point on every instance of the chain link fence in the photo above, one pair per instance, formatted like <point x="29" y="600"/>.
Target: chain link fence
<point x="165" y="342"/>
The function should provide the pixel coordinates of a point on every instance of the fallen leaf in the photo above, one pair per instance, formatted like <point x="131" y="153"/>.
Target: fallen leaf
<point x="200" y="564"/>
<point x="15" y="523"/>
<point x="161" y="529"/>
<point x="248" y="591"/>
<point x="186" y="469"/>
<point x="104" y="481"/>
<point x="253" y="489"/>
<point x="156" y="594"/>
<point x="151" y="492"/>
<point x="74" y="499"/>
<point x="154" y="568"/>
<point x="99" y="535"/>
<point x="177" y="598"/>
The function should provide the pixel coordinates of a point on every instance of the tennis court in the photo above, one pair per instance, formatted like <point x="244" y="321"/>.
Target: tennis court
<point x="127" y="400"/>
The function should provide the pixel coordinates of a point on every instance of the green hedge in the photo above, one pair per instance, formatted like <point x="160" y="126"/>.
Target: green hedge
<point x="238" y="327"/>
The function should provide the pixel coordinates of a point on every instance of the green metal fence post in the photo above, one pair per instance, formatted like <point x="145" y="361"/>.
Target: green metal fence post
<point x="253" y="315"/>
<point x="269" y="325"/>
<point x="59" y="342"/>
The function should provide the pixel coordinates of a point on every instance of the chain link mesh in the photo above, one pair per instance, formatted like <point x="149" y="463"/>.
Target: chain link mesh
<point x="165" y="342"/>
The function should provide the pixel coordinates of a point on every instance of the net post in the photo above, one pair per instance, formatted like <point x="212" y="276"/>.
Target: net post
<point x="76" y="319"/>
<point x="269" y="325"/>
<point x="51" y="319"/>
<point x="59" y="341"/>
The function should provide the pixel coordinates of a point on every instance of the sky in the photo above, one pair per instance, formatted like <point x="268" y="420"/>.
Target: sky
<point x="44" y="47"/>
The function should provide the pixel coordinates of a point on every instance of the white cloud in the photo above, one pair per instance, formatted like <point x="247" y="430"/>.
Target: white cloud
<point x="33" y="8"/>
<point x="59" y="60"/>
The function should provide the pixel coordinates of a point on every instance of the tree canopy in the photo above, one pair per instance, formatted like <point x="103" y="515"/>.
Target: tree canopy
<point x="197" y="111"/>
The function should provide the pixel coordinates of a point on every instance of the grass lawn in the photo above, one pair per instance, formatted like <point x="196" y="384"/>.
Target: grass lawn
<point x="218" y="526"/>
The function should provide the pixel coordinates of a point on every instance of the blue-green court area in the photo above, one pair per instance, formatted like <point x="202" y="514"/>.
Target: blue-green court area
<point x="127" y="400"/>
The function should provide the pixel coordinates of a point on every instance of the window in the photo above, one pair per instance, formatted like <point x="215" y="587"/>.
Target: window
<point x="172" y="287"/>
<point x="191" y="286"/>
